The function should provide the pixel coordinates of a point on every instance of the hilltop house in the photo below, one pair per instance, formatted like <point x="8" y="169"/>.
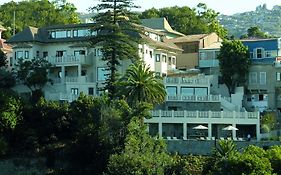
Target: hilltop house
<point x="264" y="81"/>
<point x="77" y="65"/>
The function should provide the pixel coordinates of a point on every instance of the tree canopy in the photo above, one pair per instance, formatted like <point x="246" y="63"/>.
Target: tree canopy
<point x="255" y="32"/>
<point x="139" y="84"/>
<point x="36" y="13"/>
<point x="189" y="20"/>
<point x="234" y="63"/>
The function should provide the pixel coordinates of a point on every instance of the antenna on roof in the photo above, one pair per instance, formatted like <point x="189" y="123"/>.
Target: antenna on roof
<point x="14" y="29"/>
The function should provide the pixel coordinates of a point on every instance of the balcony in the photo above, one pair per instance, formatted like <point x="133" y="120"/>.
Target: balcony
<point x="208" y="63"/>
<point x="62" y="97"/>
<point x="69" y="59"/>
<point x="75" y="79"/>
<point x="160" y="116"/>
<point x="188" y="81"/>
<point x="195" y="98"/>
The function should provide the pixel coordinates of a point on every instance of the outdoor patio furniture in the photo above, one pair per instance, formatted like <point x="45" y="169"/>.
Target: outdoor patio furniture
<point x="175" y="138"/>
<point x="240" y="139"/>
<point x="221" y="138"/>
<point x="169" y="138"/>
<point x="213" y="138"/>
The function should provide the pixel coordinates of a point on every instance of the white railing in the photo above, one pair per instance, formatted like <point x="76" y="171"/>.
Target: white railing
<point x="69" y="59"/>
<point x="195" y="98"/>
<point x="206" y="114"/>
<point x="185" y="80"/>
<point x="71" y="79"/>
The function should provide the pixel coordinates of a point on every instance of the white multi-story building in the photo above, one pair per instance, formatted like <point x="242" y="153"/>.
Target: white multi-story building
<point x="77" y="65"/>
<point x="190" y="103"/>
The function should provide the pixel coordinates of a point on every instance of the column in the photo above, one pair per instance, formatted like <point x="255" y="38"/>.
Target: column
<point x="185" y="130"/>
<point x="62" y="74"/>
<point x="160" y="129"/>
<point x="258" y="132"/>
<point x="210" y="130"/>
<point x="234" y="131"/>
<point x="79" y="73"/>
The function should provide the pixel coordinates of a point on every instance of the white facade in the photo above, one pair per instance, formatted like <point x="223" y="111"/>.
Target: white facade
<point x="77" y="66"/>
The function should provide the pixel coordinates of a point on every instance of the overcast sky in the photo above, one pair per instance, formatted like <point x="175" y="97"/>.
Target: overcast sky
<point x="223" y="6"/>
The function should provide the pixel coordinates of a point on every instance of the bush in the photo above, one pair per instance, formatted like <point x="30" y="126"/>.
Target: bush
<point x="274" y="156"/>
<point x="3" y="147"/>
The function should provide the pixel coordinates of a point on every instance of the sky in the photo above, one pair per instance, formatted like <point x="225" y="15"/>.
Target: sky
<point x="227" y="7"/>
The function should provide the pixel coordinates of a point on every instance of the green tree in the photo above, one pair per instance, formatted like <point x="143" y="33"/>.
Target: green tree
<point x="99" y="132"/>
<point x="7" y="78"/>
<point x="255" y="32"/>
<point x="274" y="156"/>
<point x="139" y="84"/>
<point x="234" y="63"/>
<point x="189" y="20"/>
<point x="34" y="74"/>
<point x="142" y="154"/>
<point x="116" y="33"/>
<point x="36" y="13"/>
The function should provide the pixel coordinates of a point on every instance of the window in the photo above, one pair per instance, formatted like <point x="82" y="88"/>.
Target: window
<point x="262" y="78"/>
<point x="150" y="53"/>
<point x="102" y="74"/>
<point x="83" y="72"/>
<point x="253" y="78"/>
<point x="267" y="54"/>
<point x="74" y="91"/>
<point x="61" y="34"/>
<point x="171" y="90"/>
<point x="45" y="54"/>
<point x="185" y="91"/>
<point x="174" y="61"/>
<point x="75" y="33"/>
<point x="79" y="52"/>
<point x="278" y="76"/>
<point x="11" y="61"/>
<point x="98" y="52"/>
<point x="201" y="91"/>
<point x="60" y="53"/>
<point x="19" y="54"/>
<point x="37" y="54"/>
<point x="259" y="53"/>
<point x="170" y="60"/>
<point x="164" y="58"/>
<point x="26" y="54"/>
<point x="53" y="34"/>
<point x="68" y="33"/>
<point x="157" y="57"/>
<point x="90" y="91"/>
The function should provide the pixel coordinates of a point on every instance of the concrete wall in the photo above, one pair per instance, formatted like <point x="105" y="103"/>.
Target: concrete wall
<point x="187" y="60"/>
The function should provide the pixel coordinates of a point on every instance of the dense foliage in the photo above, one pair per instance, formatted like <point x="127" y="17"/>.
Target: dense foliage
<point x="36" y="13"/>
<point x="255" y="32"/>
<point x="34" y="74"/>
<point x="189" y="20"/>
<point x="234" y="63"/>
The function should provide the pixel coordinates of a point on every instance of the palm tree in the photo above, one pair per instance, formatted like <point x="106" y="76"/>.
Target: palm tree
<point x="139" y="84"/>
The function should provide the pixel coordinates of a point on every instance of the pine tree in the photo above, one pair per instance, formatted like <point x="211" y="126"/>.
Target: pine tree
<point x="117" y="33"/>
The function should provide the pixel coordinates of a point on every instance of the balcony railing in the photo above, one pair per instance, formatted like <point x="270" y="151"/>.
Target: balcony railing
<point x="82" y="79"/>
<point x="206" y="114"/>
<point x="184" y="80"/>
<point x="195" y="98"/>
<point x="69" y="59"/>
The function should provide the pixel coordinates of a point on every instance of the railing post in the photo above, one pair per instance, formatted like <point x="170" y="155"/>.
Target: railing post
<point x="210" y="114"/>
<point x="173" y="113"/>
<point x="160" y="114"/>
<point x="197" y="114"/>
<point x="221" y="114"/>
